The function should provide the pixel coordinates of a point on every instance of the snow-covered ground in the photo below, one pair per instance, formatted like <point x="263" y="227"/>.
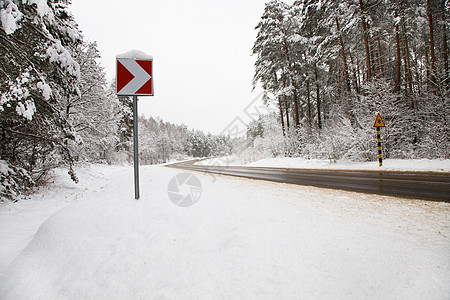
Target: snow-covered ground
<point x="245" y="239"/>
<point x="301" y="163"/>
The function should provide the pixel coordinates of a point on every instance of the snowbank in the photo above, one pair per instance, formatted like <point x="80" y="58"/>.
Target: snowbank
<point x="301" y="163"/>
<point x="20" y="221"/>
<point x="243" y="239"/>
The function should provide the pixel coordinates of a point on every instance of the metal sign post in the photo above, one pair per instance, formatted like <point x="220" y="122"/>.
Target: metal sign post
<point x="135" y="148"/>
<point x="134" y="77"/>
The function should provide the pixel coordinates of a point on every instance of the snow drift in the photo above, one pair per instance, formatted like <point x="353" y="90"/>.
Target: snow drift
<point x="243" y="239"/>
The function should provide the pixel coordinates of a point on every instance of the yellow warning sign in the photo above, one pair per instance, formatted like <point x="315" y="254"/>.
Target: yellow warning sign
<point x="379" y="122"/>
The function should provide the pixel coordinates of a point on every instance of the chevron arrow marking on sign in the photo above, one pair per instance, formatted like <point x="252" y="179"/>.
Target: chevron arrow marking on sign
<point x="137" y="77"/>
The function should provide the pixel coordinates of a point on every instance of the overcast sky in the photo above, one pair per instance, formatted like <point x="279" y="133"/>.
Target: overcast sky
<point x="201" y="51"/>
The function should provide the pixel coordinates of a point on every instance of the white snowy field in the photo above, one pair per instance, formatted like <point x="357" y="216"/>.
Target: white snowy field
<point x="419" y="165"/>
<point x="245" y="239"/>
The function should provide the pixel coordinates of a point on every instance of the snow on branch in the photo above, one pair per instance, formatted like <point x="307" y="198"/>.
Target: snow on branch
<point x="9" y="16"/>
<point x="57" y="53"/>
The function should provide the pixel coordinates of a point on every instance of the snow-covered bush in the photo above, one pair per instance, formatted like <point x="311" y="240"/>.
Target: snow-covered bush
<point x="13" y="181"/>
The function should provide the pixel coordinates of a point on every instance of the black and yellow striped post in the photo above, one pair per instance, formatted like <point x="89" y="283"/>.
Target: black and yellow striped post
<point x="378" y="124"/>
<point x="380" y="154"/>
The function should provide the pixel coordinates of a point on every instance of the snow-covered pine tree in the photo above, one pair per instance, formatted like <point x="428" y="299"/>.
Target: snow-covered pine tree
<point x="94" y="112"/>
<point x="38" y="76"/>
<point x="276" y="66"/>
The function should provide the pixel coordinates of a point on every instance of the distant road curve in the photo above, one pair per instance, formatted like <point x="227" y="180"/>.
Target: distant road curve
<point x="417" y="185"/>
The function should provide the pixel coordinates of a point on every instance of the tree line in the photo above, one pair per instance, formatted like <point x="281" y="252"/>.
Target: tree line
<point x="330" y="66"/>
<point x="161" y="142"/>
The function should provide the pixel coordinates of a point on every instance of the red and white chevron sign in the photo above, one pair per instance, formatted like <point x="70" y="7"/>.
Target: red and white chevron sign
<point x="134" y="77"/>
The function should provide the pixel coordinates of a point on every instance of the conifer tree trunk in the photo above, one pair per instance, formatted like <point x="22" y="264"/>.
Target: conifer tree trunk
<point x="358" y="72"/>
<point x="366" y="41"/>
<point x="444" y="46"/>
<point x="398" y="58"/>
<point x="275" y="78"/>
<point x="355" y="80"/>
<point x="432" y="53"/>
<point x="408" y="72"/>
<point x="341" y="41"/>
<point x="380" y="56"/>
<point x="287" y="113"/>
<point x="319" y="118"/>
<point x="308" y="96"/>
<point x="418" y="76"/>
<point x="286" y="106"/>
<point x="296" y="112"/>
<point x="281" y="115"/>
<point x="372" y="53"/>
<point x="405" y="70"/>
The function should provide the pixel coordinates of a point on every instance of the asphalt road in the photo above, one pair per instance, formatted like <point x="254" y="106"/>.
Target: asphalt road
<point x="417" y="185"/>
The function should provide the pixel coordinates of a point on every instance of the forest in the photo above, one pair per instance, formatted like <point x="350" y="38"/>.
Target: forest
<point x="330" y="66"/>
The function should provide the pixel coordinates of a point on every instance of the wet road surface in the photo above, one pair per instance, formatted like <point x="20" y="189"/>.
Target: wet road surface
<point x="418" y="185"/>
